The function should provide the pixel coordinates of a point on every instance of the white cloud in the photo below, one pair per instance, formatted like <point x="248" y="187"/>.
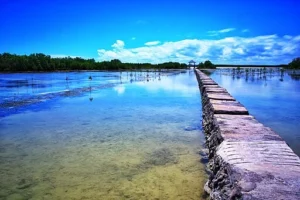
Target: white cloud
<point x="133" y="38"/>
<point x="118" y="45"/>
<point x="119" y="89"/>
<point x="218" y="32"/>
<point x="226" y="30"/>
<point x="227" y="51"/>
<point x="265" y="49"/>
<point x="152" y="43"/>
<point x="239" y="51"/>
<point x="245" y="30"/>
<point x="297" y="38"/>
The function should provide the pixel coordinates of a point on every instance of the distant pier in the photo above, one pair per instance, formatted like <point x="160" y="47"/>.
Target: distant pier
<point x="247" y="159"/>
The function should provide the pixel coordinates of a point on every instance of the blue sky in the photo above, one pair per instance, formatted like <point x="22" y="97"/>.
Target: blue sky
<point x="232" y="31"/>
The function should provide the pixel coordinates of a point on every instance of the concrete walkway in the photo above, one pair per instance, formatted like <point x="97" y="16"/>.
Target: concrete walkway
<point x="247" y="159"/>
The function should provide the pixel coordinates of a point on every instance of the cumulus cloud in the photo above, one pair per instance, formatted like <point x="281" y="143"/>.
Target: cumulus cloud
<point x="218" y="32"/>
<point x="118" y="45"/>
<point x="266" y="49"/>
<point x="152" y="43"/>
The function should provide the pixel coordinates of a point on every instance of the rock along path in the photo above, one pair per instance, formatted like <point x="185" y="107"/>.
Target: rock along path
<point x="247" y="159"/>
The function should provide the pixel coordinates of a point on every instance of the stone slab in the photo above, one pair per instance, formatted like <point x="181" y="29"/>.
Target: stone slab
<point x="244" y="128"/>
<point x="228" y="107"/>
<point x="216" y="90"/>
<point x="205" y="78"/>
<point x="255" y="156"/>
<point x="220" y="96"/>
<point x="211" y="86"/>
<point x="208" y="82"/>
<point x="204" y="87"/>
<point x="258" y="160"/>
<point x="262" y="170"/>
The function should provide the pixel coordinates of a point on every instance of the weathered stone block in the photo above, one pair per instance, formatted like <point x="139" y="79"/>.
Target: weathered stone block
<point x="244" y="127"/>
<point x="215" y="90"/>
<point x="204" y="87"/>
<point x="220" y="96"/>
<point x="228" y="107"/>
<point x="208" y="82"/>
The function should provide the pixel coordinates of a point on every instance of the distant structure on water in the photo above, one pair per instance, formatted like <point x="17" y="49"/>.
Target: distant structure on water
<point x="192" y="64"/>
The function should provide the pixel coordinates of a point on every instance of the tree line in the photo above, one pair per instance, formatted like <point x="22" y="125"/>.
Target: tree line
<point x="295" y="64"/>
<point x="206" y="65"/>
<point x="41" y="62"/>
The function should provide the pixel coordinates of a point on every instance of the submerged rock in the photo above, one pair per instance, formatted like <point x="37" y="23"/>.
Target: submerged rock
<point x="207" y="188"/>
<point x="23" y="184"/>
<point x="161" y="156"/>
<point x="203" y="152"/>
<point x="190" y="128"/>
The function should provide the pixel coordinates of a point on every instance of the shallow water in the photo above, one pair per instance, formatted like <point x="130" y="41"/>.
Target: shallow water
<point x="137" y="139"/>
<point x="271" y="97"/>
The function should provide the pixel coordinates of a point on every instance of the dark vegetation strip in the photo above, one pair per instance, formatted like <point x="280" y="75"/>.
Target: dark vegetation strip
<point x="42" y="62"/>
<point x="295" y="64"/>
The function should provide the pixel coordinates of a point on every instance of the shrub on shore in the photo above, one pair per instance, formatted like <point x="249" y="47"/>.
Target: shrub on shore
<point x="295" y="64"/>
<point x="206" y="65"/>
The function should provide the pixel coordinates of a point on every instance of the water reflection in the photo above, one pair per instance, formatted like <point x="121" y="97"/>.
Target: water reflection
<point x="295" y="77"/>
<point x="179" y="84"/>
<point x="18" y="89"/>
<point x="256" y="74"/>
<point x="120" y="89"/>
<point x="90" y="96"/>
<point x="272" y="96"/>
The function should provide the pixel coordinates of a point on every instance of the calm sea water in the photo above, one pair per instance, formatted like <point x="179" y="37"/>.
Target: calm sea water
<point x="272" y="97"/>
<point x="130" y="135"/>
